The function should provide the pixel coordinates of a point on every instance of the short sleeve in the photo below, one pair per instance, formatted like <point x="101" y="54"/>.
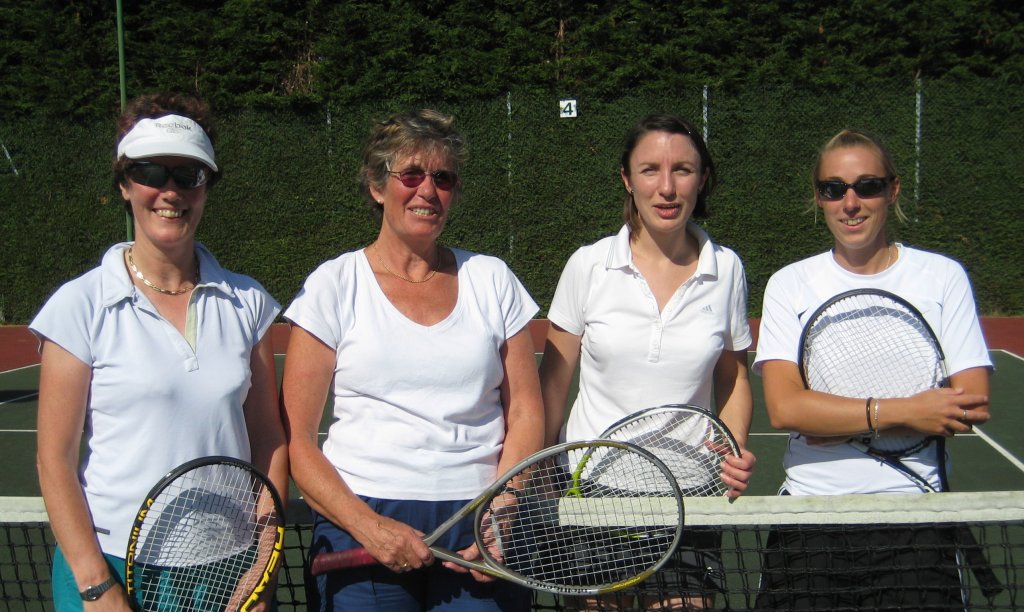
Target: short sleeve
<point x="517" y="306"/>
<point x="739" y="337"/>
<point x="261" y="306"/>
<point x="316" y="306"/>
<point x="569" y="302"/>
<point x="66" y="319"/>
<point x="780" y="328"/>
<point x="266" y="313"/>
<point x="961" y="335"/>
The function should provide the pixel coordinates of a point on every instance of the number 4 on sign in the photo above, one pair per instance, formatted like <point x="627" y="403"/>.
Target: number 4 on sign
<point x="567" y="109"/>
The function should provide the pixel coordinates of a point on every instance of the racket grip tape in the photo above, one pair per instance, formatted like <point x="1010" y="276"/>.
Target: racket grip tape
<point x="979" y="564"/>
<point x="344" y="559"/>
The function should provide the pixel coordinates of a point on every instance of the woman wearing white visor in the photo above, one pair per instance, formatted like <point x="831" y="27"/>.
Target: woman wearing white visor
<point x="153" y="358"/>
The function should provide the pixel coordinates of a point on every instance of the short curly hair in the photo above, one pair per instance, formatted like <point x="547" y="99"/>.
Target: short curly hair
<point x="155" y="105"/>
<point x="423" y="131"/>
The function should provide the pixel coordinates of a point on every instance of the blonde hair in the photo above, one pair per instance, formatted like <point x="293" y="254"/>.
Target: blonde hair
<point x="849" y="138"/>
<point x="422" y="131"/>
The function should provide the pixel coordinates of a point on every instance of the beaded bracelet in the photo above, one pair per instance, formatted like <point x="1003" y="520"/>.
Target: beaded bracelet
<point x="875" y="428"/>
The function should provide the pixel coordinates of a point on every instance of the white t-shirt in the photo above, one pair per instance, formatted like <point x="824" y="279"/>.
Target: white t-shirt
<point x="633" y="356"/>
<point x="936" y="285"/>
<point x="417" y="409"/>
<point x="154" y="402"/>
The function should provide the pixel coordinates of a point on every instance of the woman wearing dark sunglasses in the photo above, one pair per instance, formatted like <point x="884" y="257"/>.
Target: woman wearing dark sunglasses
<point x="159" y="354"/>
<point x="655" y="315"/>
<point x="856" y="188"/>
<point x="426" y="353"/>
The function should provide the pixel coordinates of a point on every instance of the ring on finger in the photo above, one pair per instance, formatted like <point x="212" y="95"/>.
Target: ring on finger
<point x="965" y="415"/>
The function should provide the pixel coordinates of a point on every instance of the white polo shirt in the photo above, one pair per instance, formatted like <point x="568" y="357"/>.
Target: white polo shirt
<point x="417" y="408"/>
<point x="633" y="356"/>
<point x="154" y="401"/>
<point x="936" y="285"/>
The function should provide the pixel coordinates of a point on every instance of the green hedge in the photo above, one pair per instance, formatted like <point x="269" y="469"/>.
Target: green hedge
<point x="537" y="186"/>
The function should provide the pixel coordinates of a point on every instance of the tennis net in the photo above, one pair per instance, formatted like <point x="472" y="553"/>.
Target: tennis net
<point x="978" y="539"/>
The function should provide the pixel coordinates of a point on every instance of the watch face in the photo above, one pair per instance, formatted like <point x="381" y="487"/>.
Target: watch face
<point x="92" y="593"/>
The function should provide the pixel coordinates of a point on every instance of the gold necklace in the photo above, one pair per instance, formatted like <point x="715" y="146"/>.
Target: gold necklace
<point x="433" y="271"/>
<point x="145" y="281"/>
<point x="888" y="257"/>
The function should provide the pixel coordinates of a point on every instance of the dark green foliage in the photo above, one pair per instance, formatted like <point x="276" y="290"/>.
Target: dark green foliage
<point x="56" y="212"/>
<point x="296" y="83"/>
<point x="57" y="58"/>
<point x="537" y="187"/>
<point x="60" y="58"/>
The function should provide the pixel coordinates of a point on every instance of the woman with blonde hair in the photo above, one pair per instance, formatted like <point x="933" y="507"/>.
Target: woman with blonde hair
<point x="857" y="190"/>
<point x="426" y="352"/>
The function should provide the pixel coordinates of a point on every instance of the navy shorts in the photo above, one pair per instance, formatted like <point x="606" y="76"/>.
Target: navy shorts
<point x="429" y="588"/>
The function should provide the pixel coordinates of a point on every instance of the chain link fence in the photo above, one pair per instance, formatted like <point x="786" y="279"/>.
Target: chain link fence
<point x="538" y="186"/>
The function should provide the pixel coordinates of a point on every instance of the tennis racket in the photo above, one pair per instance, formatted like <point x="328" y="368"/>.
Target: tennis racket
<point x="690" y="440"/>
<point x="580" y="518"/>
<point x="208" y="537"/>
<point x="872" y="343"/>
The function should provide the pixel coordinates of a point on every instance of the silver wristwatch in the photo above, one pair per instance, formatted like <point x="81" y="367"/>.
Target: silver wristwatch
<point x="92" y="593"/>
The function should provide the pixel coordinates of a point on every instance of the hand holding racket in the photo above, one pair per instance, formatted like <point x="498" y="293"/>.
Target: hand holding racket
<point x="869" y="343"/>
<point x="208" y="537"/>
<point x="691" y="441"/>
<point x="496" y="525"/>
<point x="579" y="518"/>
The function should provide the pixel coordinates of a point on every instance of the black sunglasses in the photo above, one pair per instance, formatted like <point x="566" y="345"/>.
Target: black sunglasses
<point x="156" y="175"/>
<point x="443" y="179"/>
<point x="864" y="188"/>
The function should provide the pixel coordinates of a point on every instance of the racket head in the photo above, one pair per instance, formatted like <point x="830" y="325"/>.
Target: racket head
<point x="208" y="536"/>
<point x="692" y="441"/>
<point x="872" y="343"/>
<point x="581" y="518"/>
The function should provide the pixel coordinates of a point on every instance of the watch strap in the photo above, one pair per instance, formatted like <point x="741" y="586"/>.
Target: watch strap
<point x="93" y="592"/>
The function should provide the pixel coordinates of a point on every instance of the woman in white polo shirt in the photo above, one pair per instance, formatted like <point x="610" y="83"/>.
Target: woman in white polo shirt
<point x="856" y="187"/>
<point x="159" y="354"/>
<point x="655" y="315"/>
<point x="426" y="352"/>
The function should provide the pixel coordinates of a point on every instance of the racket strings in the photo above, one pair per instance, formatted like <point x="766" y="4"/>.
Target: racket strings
<point x="689" y="442"/>
<point x="581" y="530"/>
<point x="868" y="345"/>
<point x="199" y="544"/>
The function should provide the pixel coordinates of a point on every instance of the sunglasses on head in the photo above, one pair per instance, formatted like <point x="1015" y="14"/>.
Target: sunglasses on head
<point x="155" y="175"/>
<point x="443" y="179"/>
<point x="833" y="190"/>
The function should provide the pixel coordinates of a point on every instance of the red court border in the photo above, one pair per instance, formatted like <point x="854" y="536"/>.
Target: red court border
<point x="19" y="348"/>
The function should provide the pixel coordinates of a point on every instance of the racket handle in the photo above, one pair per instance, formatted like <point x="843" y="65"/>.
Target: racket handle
<point x="344" y="559"/>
